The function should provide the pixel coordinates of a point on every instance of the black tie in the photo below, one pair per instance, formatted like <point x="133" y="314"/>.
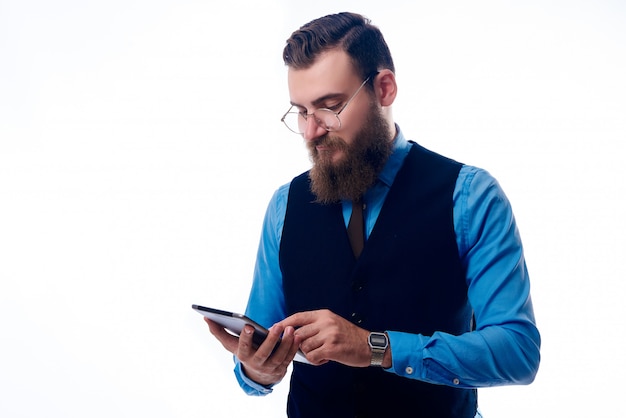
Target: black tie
<point x="355" y="228"/>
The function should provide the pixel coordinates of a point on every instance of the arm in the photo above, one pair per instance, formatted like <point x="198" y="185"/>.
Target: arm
<point x="504" y="349"/>
<point x="266" y="302"/>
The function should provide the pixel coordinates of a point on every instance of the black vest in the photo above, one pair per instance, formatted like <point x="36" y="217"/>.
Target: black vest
<point x="408" y="278"/>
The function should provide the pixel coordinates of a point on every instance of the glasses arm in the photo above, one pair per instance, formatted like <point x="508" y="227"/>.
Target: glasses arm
<point x="353" y="96"/>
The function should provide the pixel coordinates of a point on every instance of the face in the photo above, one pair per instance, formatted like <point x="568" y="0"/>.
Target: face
<point x="346" y="162"/>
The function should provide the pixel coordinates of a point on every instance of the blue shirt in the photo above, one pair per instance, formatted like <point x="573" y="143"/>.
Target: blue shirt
<point x="504" y="348"/>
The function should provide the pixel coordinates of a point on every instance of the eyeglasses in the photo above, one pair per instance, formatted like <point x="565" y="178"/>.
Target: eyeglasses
<point x="296" y="121"/>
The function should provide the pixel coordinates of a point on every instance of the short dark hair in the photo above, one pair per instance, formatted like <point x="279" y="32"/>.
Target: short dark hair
<point x="351" y="32"/>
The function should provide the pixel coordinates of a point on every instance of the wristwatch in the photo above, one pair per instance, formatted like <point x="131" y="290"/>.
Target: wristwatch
<point x="378" y="342"/>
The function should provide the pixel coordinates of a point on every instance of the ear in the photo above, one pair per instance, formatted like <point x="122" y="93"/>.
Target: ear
<point x="385" y="87"/>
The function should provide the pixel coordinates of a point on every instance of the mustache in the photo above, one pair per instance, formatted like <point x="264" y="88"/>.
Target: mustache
<point x="328" y="140"/>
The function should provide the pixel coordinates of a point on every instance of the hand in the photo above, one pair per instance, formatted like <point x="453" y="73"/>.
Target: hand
<point x="265" y="364"/>
<point x="325" y="336"/>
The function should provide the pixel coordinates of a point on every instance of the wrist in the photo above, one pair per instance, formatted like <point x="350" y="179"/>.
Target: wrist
<point x="387" y="359"/>
<point x="259" y="378"/>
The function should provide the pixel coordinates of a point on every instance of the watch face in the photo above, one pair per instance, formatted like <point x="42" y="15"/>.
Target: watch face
<point x="378" y="340"/>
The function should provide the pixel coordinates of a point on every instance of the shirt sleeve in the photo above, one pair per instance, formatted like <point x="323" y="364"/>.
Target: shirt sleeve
<point x="266" y="303"/>
<point x="504" y="348"/>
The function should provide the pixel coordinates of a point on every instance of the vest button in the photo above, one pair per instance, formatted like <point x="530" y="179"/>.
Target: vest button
<point x="356" y="318"/>
<point x="357" y="287"/>
<point x="456" y="381"/>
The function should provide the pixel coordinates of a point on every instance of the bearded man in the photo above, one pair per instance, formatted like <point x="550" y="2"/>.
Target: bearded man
<point x="398" y="273"/>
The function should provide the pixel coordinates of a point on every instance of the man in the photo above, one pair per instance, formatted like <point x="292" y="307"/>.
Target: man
<point x="433" y="305"/>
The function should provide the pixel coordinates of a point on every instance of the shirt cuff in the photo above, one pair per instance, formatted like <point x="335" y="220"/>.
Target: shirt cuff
<point x="249" y="386"/>
<point x="406" y="354"/>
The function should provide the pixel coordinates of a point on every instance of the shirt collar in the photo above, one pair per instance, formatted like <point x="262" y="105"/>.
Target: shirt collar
<point x="400" y="149"/>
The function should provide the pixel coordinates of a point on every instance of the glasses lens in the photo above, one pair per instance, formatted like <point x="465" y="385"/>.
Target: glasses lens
<point x="327" y="119"/>
<point x="295" y="122"/>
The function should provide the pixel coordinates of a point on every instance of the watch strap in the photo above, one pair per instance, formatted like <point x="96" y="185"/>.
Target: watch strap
<point x="378" y="343"/>
<point x="377" y="358"/>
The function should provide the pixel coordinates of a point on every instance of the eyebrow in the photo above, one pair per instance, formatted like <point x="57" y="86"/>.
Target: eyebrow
<point x="318" y="102"/>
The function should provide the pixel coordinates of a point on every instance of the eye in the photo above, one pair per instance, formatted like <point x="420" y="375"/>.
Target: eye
<point x="335" y="107"/>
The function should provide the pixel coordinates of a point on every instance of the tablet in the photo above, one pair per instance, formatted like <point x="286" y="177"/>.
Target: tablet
<point x="234" y="323"/>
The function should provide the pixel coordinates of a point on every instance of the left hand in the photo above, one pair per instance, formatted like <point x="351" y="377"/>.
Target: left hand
<point x="326" y="336"/>
<point x="266" y="364"/>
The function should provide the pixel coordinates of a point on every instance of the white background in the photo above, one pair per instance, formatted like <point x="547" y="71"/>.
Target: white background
<point x="140" y="143"/>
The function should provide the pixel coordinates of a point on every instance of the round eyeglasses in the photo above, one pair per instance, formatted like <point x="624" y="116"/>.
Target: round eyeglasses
<point x="296" y="121"/>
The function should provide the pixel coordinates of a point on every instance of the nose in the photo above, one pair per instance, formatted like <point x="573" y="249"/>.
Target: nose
<point x="312" y="129"/>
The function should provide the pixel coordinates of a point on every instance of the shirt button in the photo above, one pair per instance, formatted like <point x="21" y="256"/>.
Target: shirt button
<point x="456" y="381"/>
<point x="409" y="370"/>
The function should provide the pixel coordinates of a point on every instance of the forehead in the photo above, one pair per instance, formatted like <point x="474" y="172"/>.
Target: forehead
<point x="332" y="73"/>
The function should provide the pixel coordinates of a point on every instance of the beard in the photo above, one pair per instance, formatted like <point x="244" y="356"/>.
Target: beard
<point x="360" y="165"/>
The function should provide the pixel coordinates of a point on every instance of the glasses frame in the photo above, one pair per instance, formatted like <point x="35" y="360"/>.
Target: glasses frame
<point x="317" y="120"/>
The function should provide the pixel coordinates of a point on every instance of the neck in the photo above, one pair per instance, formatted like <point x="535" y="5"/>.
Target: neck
<point x="388" y="116"/>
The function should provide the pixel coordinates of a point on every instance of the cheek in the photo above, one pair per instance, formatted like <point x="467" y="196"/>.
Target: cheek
<point x="353" y="125"/>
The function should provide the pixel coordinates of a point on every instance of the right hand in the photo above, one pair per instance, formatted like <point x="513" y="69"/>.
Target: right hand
<point x="264" y="365"/>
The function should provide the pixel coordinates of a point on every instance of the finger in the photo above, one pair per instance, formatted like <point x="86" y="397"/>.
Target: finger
<point x="229" y="341"/>
<point x="307" y="331"/>
<point x="316" y="355"/>
<point x="294" y="344"/>
<point x="245" y="348"/>
<point x="298" y="319"/>
<point x="287" y="349"/>
<point x="265" y="350"/>
<point x="311" y="344"/>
